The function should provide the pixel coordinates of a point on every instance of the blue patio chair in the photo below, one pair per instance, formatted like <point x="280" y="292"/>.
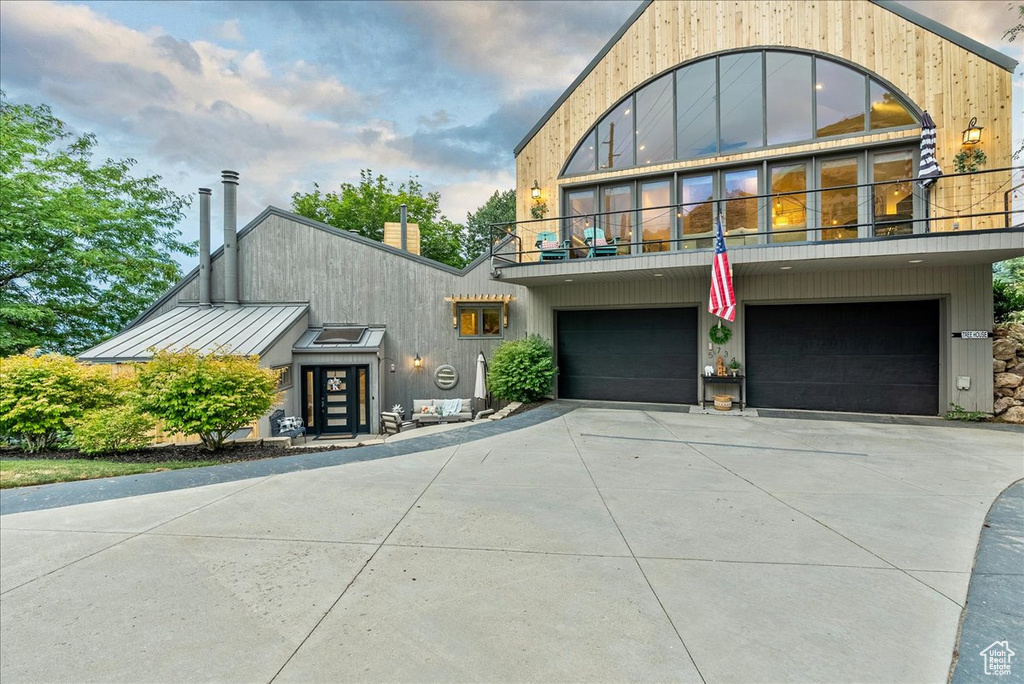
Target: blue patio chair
<point x="599" y="246"/>
<point x="551" y="249"/>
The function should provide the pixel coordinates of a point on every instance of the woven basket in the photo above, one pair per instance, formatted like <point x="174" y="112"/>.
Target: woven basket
<point x="723" y="402"/>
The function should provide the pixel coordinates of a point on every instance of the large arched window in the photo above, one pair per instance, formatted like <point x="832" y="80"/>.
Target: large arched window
<point x="737" y="102"/>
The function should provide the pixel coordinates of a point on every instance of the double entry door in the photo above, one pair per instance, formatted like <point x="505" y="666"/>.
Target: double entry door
<point x="335" y="399"/>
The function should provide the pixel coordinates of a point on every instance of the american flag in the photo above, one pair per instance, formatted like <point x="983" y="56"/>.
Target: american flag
<point x="722" y="302"/>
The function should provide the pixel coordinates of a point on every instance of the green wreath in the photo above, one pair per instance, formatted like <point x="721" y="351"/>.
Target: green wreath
<point x="719" y="334"/>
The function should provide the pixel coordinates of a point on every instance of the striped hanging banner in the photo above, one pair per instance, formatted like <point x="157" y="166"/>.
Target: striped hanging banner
<point x="928" y="172"/>
<point x="722" y="301"/>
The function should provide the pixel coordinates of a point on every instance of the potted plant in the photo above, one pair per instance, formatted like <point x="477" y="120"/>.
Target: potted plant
<point x="735" y="366"/>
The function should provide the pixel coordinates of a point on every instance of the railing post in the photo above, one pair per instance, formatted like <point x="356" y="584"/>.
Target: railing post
<point x="871" y="208"/>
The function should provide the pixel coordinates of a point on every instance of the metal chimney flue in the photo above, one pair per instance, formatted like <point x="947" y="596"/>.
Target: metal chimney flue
<point x="204" y="247"/>
<point x="230" y="182"/>
<point x="403" y="216"/>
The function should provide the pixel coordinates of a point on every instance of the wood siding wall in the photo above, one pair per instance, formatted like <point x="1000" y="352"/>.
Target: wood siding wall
<point x="952" y="83"/>
<point x="345" y="281"/>
<point x="965" y="293"/>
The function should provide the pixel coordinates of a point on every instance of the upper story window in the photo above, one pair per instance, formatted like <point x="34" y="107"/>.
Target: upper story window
<point x="738" y="102"/>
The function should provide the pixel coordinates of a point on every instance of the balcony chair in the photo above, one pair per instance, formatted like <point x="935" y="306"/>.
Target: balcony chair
<point x="551" y="249"/>
<point x="599" y="246"/>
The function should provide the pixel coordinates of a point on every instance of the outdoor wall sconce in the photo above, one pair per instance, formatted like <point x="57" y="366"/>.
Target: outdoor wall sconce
<point x="535" y="191"/>
<point x="972" y="135"/>
<point x="417" y="363"/>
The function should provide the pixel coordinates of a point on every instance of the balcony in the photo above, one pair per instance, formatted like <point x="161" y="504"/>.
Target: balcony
<point x="967" y="218"/>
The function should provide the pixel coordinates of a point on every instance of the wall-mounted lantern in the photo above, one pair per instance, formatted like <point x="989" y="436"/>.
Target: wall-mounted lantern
<point x="535" y="191"/>
<point x="417" y="363"/>
<point x="972" y="135"/>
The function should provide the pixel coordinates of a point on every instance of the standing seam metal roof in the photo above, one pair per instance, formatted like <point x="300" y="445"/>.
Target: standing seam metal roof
<point x="250" y="329"/>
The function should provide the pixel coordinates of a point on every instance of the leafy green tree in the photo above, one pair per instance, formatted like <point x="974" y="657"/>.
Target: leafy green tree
<point x="522" y="370"/>
<point x="209" y="395"/>
<point x="42" y="395"/>
<point x="84" y="246"/>
<point x="365" y="207"/>
<point x="499" y="208"/>
<point x="1008" y="290"/>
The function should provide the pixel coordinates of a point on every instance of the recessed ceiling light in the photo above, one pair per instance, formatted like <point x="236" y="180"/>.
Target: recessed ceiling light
<point x="916" y="261"/>
<point x="785" y="268"/>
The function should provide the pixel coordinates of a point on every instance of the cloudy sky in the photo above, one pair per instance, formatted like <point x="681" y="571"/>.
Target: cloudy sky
<point x="292" y="93"/>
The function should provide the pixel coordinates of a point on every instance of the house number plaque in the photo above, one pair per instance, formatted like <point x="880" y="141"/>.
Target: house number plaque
<point x="973" y="334"/>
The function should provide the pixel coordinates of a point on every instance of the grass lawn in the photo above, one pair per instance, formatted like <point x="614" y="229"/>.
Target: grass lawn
<point x="22" y="472"/>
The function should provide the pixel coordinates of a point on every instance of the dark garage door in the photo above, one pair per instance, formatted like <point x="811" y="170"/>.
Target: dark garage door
<point x="877" y="357"/>
<point x="628" y="355"/>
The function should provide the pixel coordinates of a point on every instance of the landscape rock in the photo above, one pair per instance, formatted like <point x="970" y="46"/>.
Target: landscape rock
<point x="1007" y="380"/>
<point x="1004" y="403"/>
<point x="1004" y="349"/>
<point x="998" y="365"/>
<point x="1019" y="393"/>
<point x="1015" y="331"/>
<point x="1003" y="392"/>
<point x="1014" y="414"/>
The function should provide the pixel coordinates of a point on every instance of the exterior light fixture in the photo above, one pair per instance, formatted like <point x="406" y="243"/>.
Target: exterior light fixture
<point x="392" y="368"/>
<point x="916" y="261"/>
<point x="535" y="191"/>
<point x="785" y="268"/>
<point x="417" y="362"/>
<point x="972" y="135"/>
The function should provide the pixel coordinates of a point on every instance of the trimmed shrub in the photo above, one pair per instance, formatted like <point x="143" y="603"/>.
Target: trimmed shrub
<point x="42" y="395"/>
<point x="112" y="429"/>
<point x="522" y="370"/>
<point x="209" y="395"/>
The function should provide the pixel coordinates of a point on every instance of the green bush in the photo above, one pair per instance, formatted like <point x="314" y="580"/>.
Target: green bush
<point x="522" y="370"/>
<point x="1008" y="302"/>
<point x="118" y="428"/>
<point x="42" y="395"/>
<point x="209" y="395"/>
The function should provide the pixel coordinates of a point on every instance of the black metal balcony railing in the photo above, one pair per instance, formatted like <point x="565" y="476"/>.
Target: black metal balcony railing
<point x="980" y="200"/>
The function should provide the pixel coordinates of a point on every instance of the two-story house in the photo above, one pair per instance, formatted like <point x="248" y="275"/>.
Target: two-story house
<point x="800" y="125"/>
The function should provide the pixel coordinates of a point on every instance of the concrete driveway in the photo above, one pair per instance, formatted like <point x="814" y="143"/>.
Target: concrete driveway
<point x="603" y="545"/>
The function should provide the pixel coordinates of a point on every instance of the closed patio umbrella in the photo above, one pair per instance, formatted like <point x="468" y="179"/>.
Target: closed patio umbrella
<point x="928" y="172"/>
<point x="480" y="390"/>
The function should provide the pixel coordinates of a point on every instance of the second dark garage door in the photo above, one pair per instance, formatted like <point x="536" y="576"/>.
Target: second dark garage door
<point x="873" y="357"/>
<point x="628" y="355"/>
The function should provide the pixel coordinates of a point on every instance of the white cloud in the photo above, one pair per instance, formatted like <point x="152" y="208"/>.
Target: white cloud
<point x="231" y="30"/>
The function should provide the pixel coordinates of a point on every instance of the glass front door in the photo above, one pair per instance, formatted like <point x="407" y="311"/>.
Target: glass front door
<point x="334" y="399"/>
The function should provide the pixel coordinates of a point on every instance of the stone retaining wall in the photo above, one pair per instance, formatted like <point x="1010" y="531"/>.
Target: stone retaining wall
<point x="1008" y="372"/>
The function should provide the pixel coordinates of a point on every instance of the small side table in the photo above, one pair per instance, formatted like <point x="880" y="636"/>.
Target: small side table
<point x="706" y="380"/>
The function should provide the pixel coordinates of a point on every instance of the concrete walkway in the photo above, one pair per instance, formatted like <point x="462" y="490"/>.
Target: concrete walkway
<point x="995" y="601"/>
<point x="600" y="545"/>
